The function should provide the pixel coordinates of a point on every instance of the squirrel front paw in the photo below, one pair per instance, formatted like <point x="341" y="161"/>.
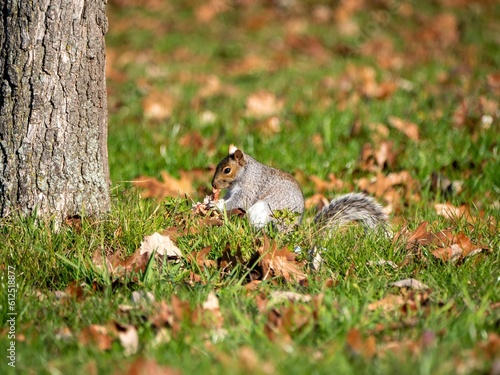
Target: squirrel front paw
<point x="213" y="201"/>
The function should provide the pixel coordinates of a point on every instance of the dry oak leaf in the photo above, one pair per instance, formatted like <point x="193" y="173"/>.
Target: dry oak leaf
<point x="388" y="303"/>
<point x="149" y="367"/>
<point x="201" y="257"/>
<point x="422" y="237"/>
<point x="138" y="261"/>
<point x="494" y="82"/>
<point x="279" y="296"/>
<point x="213" y="86"/>
<point x="460" y="248"/>
<point x="170" y="187"/>
<point x="263" y="104"/>
<point x="406" y="127"/>
<point x="358" y="346"/>
<point x="117" y="267"/>
<point x="385" y="155"/>
<point x="280" y="263"/>
<point x="97" y="335"/>
<point x="158" y="105"/>
<point x="209" y="315"/>
<point x="410" y="283"/>
<point x="376" y="160"/>
<point x="331" y="184"/>
<point x="163" y="246"/>
<point x="448" y="211"/>
<point x="210" y="9"/>
<point x="317" y="200"/>
<point x="129" y="338"/>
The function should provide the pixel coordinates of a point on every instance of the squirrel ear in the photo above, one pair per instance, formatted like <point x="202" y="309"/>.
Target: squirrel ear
<point x="239" y="157"/>
<point x="232" y="149"/>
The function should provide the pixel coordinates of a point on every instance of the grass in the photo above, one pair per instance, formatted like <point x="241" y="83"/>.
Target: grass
<point x="163" y="47"/>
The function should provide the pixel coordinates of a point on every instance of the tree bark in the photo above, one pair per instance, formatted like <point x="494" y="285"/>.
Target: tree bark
<point x="53" y="108"/>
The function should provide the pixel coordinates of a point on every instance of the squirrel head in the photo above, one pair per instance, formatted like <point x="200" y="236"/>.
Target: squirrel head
<point x="229" y="169"/>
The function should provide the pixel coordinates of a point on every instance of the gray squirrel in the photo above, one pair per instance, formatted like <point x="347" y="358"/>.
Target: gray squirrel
<point x="261" y="190"/>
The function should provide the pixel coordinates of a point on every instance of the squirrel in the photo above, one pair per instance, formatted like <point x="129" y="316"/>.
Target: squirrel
<point x="261" y="190"/>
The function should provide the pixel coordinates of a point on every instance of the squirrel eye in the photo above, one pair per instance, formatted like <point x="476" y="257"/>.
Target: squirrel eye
<point x="227" y="170"/>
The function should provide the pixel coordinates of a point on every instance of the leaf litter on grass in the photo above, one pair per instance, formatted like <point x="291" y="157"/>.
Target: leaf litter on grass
<point x="377" y="72"/>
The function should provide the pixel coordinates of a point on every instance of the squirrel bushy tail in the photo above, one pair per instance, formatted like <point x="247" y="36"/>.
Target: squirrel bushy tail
<point x="352" y="207"/>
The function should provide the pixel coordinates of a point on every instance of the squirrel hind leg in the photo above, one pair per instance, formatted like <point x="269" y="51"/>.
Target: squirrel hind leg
<point x="353" y="207"/>
<point x="259" y="214"/>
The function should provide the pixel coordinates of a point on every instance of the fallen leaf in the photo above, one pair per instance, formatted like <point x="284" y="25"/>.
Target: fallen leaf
<point x="96" y="335"/>
<point x="331" y="184"/>
<point x="129" y="338"/>
<point x="163" y="246"/>
<point x="158" y="105"/>
<point x="117" y="267"/>
<point x="317" y="201"/>
<point x="279" y="296"/>
<point x="358" y="346"/>
<point x="212" y="86"/>
<point x="207" y="11"/>
<point x="377" y="160"/>
<point x="406" y="127"/>
<point x="280" y="263"/>
<point x="494" y="82"/>
<point x="210" y="316"/>
<point x="410" y="283"/>
<point x="385" y="156"/>
<point x="201" y="257"/>
<point x="170" y="187"/>
<point x="461" y="247"/>
<point x="388" y="303"/>
<point x="143" y="366"/>
<point x="448" y="211"/>
<point x="63" y="334"/>
<point x="212" y="302"/>
<point x="269" y="126"/>
<point x="262" y="104"/>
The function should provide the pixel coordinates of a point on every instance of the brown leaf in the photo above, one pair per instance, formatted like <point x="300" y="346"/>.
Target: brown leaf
<point x="406" y="127"/>
<point x="279" y="296"/>
<point x="410" y="283"/>
<point x="163" y="315"/>
<point x="269" y="126"/>
<point x="280" y="263"/>
<point x="385" y="155"/>
<point x="158" y="105"/>
<point x="212" y="86"/>
<point x="193" y="140"/>
<point x="209" y="315"/>
<point x="143" y="366"/>
<point x="207" y="11"/>
<point x="170" y="187"/>
<point x="262" y="104"/>
<point x="160" y="245"/>
<point x="358" y="346"/>
<point x="129" y="338"/>
<point x="200" y="258"/>
<point x="96" y="335"/>
<point x="117" y="267"/>
<point x="388" y="303"/>
<point x="317" y="201"/>
<point x="494" y="82"/>
<point x="460" y="248"/>
<point x="377" y="160"/>
<point x="332" y="184"/>
<point x="453" y="213"/>
<point x="385" y="187"/>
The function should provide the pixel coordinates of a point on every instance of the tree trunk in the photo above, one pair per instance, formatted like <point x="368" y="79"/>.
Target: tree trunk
<point x="53" y="108"/>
